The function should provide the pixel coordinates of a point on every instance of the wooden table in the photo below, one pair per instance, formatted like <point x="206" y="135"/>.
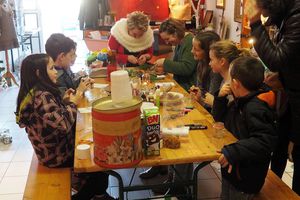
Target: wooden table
<point x="199" y="146"/>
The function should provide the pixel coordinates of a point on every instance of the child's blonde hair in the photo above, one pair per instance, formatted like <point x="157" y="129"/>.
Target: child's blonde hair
<point x="228" y="50"/>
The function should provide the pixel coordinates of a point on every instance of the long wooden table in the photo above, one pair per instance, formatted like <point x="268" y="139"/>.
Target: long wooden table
<point x="198" y="146"/>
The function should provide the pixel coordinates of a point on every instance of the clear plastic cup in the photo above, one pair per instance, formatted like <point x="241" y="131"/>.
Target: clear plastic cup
<point x="219" y="130"/>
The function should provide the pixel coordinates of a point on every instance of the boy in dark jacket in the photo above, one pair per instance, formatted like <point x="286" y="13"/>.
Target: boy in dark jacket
<point x="251" y="120"/>
<point x="62" y="50"/>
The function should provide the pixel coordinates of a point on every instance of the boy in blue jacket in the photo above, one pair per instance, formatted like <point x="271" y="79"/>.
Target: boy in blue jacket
<point x="251" y="120"/>
<point x="62" y="50"/>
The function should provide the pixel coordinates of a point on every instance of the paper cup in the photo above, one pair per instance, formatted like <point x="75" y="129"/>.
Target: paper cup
<point x="83" y="151"/>
<point x="120" y="86"/>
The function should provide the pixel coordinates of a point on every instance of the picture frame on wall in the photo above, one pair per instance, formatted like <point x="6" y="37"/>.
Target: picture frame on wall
<point x="220" y="4"/>
<point x="238" y="10"/>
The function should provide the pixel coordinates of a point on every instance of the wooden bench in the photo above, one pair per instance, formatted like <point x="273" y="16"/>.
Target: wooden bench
<point x="47" y="183"/>
<point x="275" y="189"/>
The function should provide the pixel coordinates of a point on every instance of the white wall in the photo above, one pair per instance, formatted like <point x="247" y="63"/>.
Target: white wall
<point x="234" y="28"/>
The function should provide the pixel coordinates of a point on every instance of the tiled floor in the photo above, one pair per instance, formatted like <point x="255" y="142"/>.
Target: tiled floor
<point x="15" y="160"/>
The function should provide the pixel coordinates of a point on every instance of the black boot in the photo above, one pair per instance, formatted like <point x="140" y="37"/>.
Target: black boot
<point x="154" y="171"/>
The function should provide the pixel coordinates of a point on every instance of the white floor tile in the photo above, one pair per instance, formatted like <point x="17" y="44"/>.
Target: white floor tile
<point x="7" y="155"/>
<point x="2" y="123"/>
<point x="290" y="174"/>
<point x="23" y="154"/>
<point x="287" y="179"/>
<point x="18" y="169"/>
<point x="289" y="167"/>
<point x="26" y="144"/>
<point x="11" y="196"/>
<point x="13" y="185"/>
<point x="13" y="146"/>
<point x="3" y="168"/>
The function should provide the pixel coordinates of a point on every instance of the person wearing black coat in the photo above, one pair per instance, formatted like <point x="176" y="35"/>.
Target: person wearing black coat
<point x="250" y="118"/>
<point x="282" y="56"/>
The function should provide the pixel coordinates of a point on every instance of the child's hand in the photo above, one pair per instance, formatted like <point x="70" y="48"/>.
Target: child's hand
<point x="84" y="84"/>
<point x="67" y="94"/>
<point x="225" y="90"/>
<point x="272" y="80"/>
<point x="209" y="99"/>
<point x="132" y="59"/>
<point x="91" y="83"/>
<point x="224" y="162"/>
<point x="195" y="93"/>
<point x="75" y="98"/>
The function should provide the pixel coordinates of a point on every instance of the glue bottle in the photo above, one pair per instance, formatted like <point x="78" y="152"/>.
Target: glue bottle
<point x="157" y="97"/>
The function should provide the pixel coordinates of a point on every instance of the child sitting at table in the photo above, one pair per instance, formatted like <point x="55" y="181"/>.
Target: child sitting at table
<point x="62" y="50"/>
<point x="251" y="120"/>
<point x="207" y="82"/>
<point x="49" y="121"/>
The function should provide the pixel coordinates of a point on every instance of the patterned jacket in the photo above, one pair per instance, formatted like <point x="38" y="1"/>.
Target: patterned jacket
<point x="50" y="125"/>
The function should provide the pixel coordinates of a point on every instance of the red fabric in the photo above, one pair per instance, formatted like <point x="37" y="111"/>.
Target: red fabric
<point x="158" y="10"/>
<point x="115" y="117"/>
<point x="113" y="44"/>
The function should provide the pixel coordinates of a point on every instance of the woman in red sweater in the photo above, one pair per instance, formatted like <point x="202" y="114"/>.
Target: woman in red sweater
<point x="132" y="39"/>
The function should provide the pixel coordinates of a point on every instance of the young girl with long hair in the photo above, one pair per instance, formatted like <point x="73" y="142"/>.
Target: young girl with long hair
<point x="207" y="82"/>
<point x="49" y="121"/>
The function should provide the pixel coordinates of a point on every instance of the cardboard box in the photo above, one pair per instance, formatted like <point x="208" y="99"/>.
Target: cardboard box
<point x="151" y="131"/>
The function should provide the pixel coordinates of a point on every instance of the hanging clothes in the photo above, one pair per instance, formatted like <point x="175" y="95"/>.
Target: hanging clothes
<point x="8" y="36"/>
<point x="91" y="12"/>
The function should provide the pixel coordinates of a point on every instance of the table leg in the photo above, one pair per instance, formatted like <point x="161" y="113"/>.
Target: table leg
<point x="120" y="180"/>
<point x="194" y="182"/>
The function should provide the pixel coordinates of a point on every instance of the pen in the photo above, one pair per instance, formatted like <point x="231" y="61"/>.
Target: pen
<point x="196" y="126"/>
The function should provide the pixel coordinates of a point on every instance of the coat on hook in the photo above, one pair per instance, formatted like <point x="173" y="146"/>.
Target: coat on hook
<point x="8" y="36"/>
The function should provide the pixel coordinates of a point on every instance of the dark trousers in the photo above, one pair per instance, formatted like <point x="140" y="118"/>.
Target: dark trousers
<point x="95" y="183"/>
<point x="296" y="176"/>
<point x="280" y="154"/>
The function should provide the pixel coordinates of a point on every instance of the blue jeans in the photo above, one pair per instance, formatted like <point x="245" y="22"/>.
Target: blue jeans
<point x="229" y="192"/>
